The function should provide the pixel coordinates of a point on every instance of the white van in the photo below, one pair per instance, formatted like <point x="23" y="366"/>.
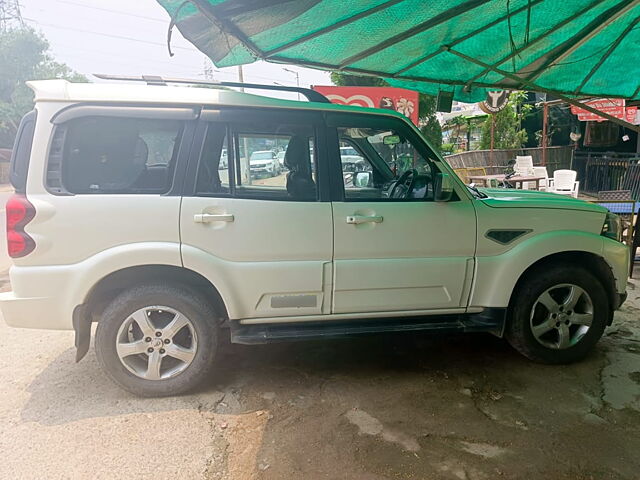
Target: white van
<point x="123" y="217"/>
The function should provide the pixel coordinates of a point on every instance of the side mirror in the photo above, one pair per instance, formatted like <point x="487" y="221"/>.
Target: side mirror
<point x="362" y="179"/>
<point x="391" y="140"/>
<point x="443" y="187"/>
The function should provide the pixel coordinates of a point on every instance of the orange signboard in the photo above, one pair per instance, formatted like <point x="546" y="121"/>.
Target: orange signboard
<point x="616" y="107"/>
<point x="398" y="99"/>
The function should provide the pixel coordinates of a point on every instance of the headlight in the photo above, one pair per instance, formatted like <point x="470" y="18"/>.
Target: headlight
<point x="612" y="227"/>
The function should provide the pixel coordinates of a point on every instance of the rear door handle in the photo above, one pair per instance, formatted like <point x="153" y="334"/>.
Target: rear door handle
<point x="208" y="217"/>
<point x="358" y="219"/>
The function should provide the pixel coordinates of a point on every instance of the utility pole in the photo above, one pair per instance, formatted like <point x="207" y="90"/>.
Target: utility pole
<point x="208" y="69"/>
<point x="10" y="14"/>
<point x="297" y="78"/>
<point x="240" y="77"/>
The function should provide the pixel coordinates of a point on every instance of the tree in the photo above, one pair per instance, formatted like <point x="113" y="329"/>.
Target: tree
<point x="24" y="55"/>
<point x="508" y="131"/>
<point x="426" y="109"/>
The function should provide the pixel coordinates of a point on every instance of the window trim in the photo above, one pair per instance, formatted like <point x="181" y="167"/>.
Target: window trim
<point x="344" y="119"/>
<point x="21" y="152"/>
<point x="239" y="115"/>
<point x="182" y="155"/>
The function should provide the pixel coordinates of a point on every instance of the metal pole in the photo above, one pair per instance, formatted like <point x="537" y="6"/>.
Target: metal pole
<point x="493" y="129"/>
<point x="545" y="116"/>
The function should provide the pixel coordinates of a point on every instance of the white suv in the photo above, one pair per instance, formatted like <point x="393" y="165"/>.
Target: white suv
<point x="122" y="216"/>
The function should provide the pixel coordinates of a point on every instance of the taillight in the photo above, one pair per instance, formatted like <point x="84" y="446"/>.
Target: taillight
<point x="19" y="212"/>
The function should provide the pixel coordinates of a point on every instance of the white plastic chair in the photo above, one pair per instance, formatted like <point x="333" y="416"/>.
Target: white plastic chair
<point x="524" y="168"/>
<point x="524" y="165"/>
<point x="564" y="182"/>
<point x="542" y="172"/>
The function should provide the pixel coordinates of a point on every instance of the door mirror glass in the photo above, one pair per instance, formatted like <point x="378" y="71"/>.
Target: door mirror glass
<point x="443" y="186"/>
<point x="391" y="140"/>
<point x="362" y="179"/>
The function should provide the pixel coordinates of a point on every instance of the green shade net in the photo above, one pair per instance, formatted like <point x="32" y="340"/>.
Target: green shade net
<point x="568" y="47"/>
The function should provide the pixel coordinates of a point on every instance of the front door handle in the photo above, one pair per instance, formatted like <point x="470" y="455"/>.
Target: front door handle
<point x="208" y="217"/>
<point x="358" y="219"/>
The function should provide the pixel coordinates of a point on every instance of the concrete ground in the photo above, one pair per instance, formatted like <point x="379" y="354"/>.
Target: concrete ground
<point x="389" y="407"/>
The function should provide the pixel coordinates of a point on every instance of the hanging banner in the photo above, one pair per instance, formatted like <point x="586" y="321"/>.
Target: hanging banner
<point x="616" y="107"/>
<point x="398" y="99"/>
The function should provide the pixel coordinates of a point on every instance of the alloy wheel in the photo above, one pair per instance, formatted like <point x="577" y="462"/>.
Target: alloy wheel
<point x="561" y="316"/>
<point x="156" y="342"/>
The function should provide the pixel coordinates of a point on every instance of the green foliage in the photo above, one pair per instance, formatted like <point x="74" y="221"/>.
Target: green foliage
<point x="508" y="131"/>
<point x="24" y="56"/>
<point x="426" y="108"/>
<point x="447" y="148"/>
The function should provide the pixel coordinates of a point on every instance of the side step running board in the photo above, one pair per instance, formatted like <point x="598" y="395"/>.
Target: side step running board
<point x="491" y="321"/>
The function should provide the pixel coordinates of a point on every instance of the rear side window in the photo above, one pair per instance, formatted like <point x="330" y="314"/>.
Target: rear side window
<point x="22" y="152"/>
<point x="104" y="155"/>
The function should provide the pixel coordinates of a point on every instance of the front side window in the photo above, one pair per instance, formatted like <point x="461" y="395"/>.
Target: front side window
<point x="107" y="155"/>
<point x="381" y="162"/>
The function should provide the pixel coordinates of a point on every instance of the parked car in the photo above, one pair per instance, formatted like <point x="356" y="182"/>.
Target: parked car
<point x="264" y="161"/>
<point x="167" y="258"/>
<point x="280" y="157"/>
<point x="351" y="160"/>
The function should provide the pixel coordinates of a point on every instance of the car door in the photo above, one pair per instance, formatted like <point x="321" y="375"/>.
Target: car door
<point x="396" y="254"/>
<point x="264" y="241"/>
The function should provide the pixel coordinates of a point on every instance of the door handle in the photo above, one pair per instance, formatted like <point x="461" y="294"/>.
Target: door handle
<point x="358" y="219"/>
<point x="208" y="217"/>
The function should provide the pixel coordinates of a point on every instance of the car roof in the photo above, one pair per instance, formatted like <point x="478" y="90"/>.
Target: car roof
<point x="64" y="91"/>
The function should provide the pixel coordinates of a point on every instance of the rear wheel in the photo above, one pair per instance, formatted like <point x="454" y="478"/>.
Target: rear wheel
<point x="558" y="314"/>
<point x="157" y="340"/>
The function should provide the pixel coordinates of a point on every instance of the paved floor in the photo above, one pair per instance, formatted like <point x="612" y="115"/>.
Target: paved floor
<point x="391" y="407"/>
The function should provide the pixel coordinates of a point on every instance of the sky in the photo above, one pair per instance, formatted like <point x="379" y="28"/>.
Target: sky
<point x="128" y="37"/>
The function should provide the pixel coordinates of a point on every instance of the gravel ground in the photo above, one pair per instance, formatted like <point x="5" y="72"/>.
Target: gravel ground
<point x="387" y="407"/>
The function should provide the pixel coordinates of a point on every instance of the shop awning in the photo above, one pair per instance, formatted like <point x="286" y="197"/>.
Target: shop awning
<point x="569" y="48"/>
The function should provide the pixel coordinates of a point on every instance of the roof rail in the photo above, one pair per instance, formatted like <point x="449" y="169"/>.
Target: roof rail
<point x="311" y="95"/>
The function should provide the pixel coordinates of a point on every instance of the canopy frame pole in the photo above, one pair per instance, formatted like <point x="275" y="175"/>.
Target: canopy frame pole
<point x="611" y="49"/>
<point x="422" y="27"/>
<point x="466" y="37"/>
<point x="534" y="87"/>
<point x="536" y="40"/>
<point x="331" y="28"/>
<point x="227" y="26"/>
<point x="583" y="36"/>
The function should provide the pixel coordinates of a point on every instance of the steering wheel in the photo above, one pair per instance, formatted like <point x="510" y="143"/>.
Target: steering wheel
<point x="404" y="185"/>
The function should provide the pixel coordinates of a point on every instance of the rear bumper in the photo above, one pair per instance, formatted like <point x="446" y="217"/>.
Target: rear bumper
<point x="34" y="312"/>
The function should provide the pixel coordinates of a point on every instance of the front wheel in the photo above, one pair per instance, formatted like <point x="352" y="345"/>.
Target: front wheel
<point x="558" y="314"/>
<point x="157" y="340"/>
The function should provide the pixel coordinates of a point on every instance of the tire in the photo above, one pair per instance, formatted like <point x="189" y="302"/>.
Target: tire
<point x="124" y="357"/>
<point x="539" y="330"/>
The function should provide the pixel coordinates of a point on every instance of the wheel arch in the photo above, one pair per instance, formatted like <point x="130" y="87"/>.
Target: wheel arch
<point x="592" y="261"/>
<point x="113" y="283"/>
<point x="104" y="290"/>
